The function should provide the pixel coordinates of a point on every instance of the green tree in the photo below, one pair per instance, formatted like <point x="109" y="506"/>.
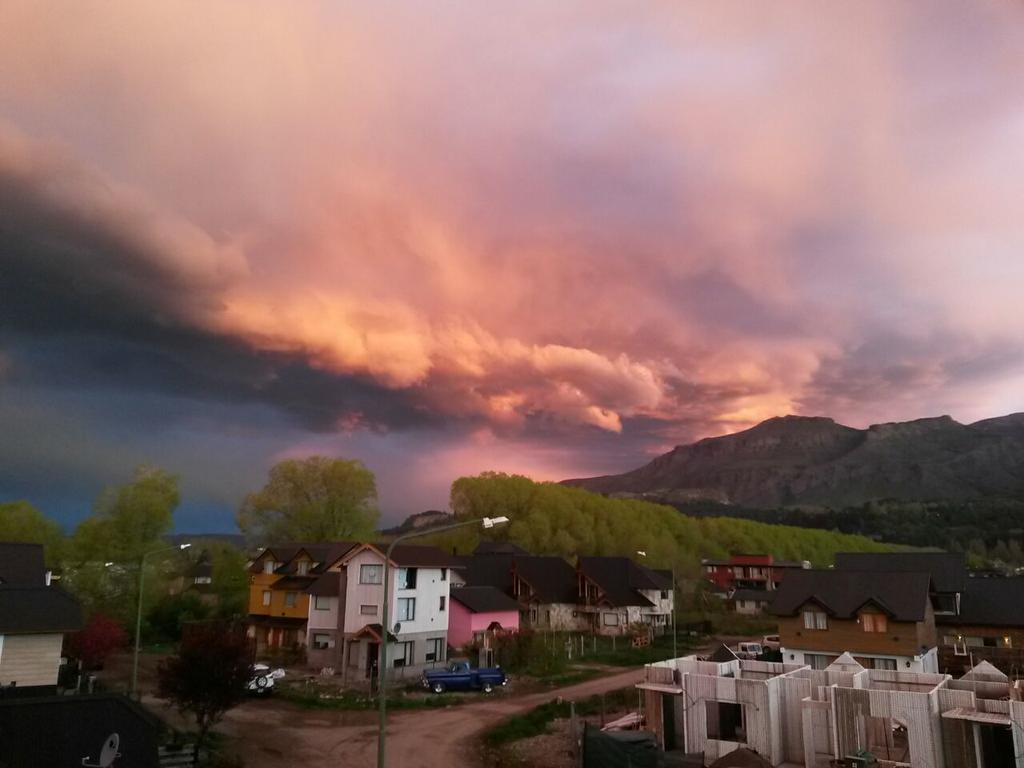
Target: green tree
<point x="129" y="520"/>
<point x="20" y="521"/>
<point x="102" y="567"/>
<point x="314" y="499"/>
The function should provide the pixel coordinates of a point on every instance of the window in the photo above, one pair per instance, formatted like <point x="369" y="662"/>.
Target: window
<point x="435" y="649"/>
<point x="610" y="619"/>
<point x="371" y="574"/>
<point x="303" y="567"/>
<point x="289" y="599"/>
<point x="368" y="610"/>
<point x="818" y="660"/>
<point x="874" y="622"/>
<point x="815" y="620"/>
<point x="321" y="603"/>
<point x="441" y="607"/>
<point x="406" y="609"/>
<point x="266" y="597"/>
<point x="322" y="641"/>
<point x="407" y="578"/>
<point x="889" y="664"/>
<point x="403" y="654"/>
<point x="664" y="594"/>
<point x="268" y="565"/>
<point x="444" y="574"/>
<point x="725" y="721"/>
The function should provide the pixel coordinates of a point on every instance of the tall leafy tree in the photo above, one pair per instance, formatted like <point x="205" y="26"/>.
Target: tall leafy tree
<point x="20" y="521"/>
<point x="127" y="521"/>
<point x="313" y="499"/>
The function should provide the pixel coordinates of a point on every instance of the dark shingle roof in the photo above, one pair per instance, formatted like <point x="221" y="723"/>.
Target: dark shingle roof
<point x="21" y="565"/>
<point x="484" y="599"/>
<point x="991" y="602"/>
<point x="619" y="579"/>
<point x="293" y="582"/>
<point x="412" y="555"/>
<point x="38" y="609"/>
<point x="904" y="596"/>
<point x="489" y="570"/>
<point x="947" y="569"/>
<point x="553" y="580"/>
<point x="328" y="585"/>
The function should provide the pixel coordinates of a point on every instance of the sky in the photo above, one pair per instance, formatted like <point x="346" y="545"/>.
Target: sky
<point x="556" y="240"/>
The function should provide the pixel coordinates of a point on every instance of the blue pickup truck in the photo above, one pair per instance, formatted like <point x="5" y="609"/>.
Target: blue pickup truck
<point x="460" y="676"/>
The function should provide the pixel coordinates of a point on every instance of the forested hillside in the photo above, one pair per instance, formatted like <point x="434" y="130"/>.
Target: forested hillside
<point x="548" y="518"/>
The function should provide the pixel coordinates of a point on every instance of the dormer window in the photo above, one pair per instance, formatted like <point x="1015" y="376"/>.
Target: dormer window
<point x="303" y="567"/>
<point x="874" y="622"/>
<point x="815" y="620"/>
<point x="268" y="565"/>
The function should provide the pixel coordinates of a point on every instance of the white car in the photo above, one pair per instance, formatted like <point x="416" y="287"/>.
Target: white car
<point x="262" y="681"/>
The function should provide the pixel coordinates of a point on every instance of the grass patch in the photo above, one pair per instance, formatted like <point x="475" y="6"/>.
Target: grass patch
<point x="538" y="720"/>
<point x="623" y="654"/>
<point x="347" y="700"/>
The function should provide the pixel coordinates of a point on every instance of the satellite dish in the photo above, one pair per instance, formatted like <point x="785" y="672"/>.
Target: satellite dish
<point x="108" y="754"/>
<point x="398" y="627"/>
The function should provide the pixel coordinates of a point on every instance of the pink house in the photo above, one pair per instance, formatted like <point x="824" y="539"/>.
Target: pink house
<point x="474" y="610"/>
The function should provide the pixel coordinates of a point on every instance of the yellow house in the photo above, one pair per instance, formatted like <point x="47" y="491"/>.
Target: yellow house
<point x="279" y="578"/>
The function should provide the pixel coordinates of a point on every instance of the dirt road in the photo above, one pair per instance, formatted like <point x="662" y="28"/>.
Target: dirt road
<point x="276" y="733"/>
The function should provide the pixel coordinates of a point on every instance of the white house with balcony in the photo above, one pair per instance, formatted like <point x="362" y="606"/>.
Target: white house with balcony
<point x="345" y="608"/>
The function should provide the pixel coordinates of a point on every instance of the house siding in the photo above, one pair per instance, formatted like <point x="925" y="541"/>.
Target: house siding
<point x="30" y="660"/>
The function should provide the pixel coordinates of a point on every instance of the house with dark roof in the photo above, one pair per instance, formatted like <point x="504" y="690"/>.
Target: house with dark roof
<point x="616" y="592"/>
<point x="34" y="617"/>
<point x="750" y="602"/>
<point x="884" y="618"/>
<point x="545" y="587"/>
<point x="976" y="618"/>
<point x="328" y="599"/>
<point x="474" y="611"/>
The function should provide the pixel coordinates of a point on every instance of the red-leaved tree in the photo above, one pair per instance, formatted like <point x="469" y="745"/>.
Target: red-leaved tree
<point x="208" y="676"/>
<point x="97" y="640"/>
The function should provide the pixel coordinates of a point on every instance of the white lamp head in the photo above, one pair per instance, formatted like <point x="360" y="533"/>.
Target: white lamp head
<point x="490" y="522"/>
<point x="184" y="546"/>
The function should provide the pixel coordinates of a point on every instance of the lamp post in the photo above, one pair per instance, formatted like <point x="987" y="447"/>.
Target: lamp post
<point x="675" y="650"/>
<point x="138" y="612"/>
<point x="486" y="522"/>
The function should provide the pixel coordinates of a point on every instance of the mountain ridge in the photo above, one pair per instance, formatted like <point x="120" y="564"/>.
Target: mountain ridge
<point x="814" y="460"/>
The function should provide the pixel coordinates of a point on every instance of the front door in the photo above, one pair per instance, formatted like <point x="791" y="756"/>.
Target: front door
<point x="372" y="650"/>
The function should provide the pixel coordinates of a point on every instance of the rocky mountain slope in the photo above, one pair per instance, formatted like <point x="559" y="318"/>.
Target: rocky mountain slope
<point x="798" y="460"/>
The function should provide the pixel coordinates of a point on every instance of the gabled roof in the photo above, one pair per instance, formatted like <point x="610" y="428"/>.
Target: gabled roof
<point x="484" y="599"/>
<point x="21" y="565"/>
<point x="845" y="663"/>
<point x="990" y="602"/>
<point x="947" y="569"/>
<point x="553" y="580"/>
<point x="31" y="610"/>
<point x="298" y="583"/>
<point x="722" y="654"/>
<point x="619" y="579"/>
<point x="984" y="672"/>
<point x="903" y="596"/>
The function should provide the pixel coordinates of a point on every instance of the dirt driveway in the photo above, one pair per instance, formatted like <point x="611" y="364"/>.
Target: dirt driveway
<point x="276" y="733"/>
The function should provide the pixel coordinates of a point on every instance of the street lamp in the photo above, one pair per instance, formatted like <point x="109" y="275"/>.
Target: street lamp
<point x="138" y="613"/>
<point x="675" y="650"/>
<point x="486" y="522"/>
